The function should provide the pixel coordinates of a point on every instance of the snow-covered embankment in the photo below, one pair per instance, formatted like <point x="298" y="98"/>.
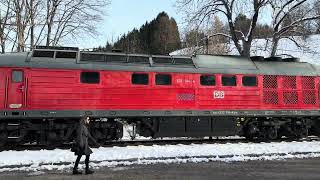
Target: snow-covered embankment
<point x="62" y="159"/>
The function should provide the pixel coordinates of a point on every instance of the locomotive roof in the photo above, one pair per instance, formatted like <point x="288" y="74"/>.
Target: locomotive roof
<point x="71" y="59"/>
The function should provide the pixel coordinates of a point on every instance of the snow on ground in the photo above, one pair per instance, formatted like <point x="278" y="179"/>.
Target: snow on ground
<point x="132" y="155"/>
<point x="128" y="133"/>
<point x="308" y="52"/>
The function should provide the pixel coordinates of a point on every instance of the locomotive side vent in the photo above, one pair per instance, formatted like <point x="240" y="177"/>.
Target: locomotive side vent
<point x="183" y="61"/>
<point x="185" y="97"/>
<point x="309" y="97"/>
<point x="270" y="82"/>
<point x="270" y="97"/>
<point x="135" y="59"/>
<point x="175" y="61"/>
<point x="48" y="54"/>
<point x="270" y="94"/>
<point x="290" y="97"/>
<point x="56" y="54"/>
<point x="68" y="55"/>
<point x="95" y="57"/>
<point x="290" y="93"/>
<point x="92" y="57"/>
<point x="162" y="60"/>
<point x="308" y="82"/>
<point x="115" y="58"/>
<point x="289" y="90"/>
<point x="289" y="82"/>
<point x="63" y="48"/>
<point x="139" y="59"/>
<point x="308" y="90"/>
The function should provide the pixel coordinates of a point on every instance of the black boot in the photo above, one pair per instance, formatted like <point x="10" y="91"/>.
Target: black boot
<point x="75" y="168"/>
<point x="88" y="171"/>
<point x="76" y="172"/>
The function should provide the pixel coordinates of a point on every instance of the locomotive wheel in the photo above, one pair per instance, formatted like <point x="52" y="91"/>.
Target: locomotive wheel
<point x="303" y="133"/>
<point x="272" y="133"/>
<point x="251" y="131"/>
<point x="3" y="138"/>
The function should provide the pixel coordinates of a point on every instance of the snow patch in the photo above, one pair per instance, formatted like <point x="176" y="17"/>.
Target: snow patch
<point x="128" y="133"/>
<point x="119" y="168"/>
<point x="36" y="173"/>
<point x="308" y="52"/>
<point x="132" y="155"/>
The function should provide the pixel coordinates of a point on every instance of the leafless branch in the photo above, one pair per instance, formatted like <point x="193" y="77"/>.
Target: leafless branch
<point x="198" y="11"/>
<point x="290" y="15"/>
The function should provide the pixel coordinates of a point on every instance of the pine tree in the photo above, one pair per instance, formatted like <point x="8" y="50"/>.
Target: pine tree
<point x="160" y="36"/>
<point x="195" y="38"/>
<point x="175" y="42"/>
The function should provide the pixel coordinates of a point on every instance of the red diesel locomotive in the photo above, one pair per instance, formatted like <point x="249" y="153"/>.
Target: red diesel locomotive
<point x="44" y="92"/>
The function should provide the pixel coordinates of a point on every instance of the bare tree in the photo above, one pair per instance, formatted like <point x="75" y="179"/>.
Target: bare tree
<point x="28" y="23"/>
<point x="316" y="9"/>
<point x="22" y="19"/>
<point x="52" y="11"/>
<point x="33" y="11"/>
<point x="201" y="10"/>
<point x="5" y="26"/>
<point x="72" y="18"/>
<point x="289" y="18"/>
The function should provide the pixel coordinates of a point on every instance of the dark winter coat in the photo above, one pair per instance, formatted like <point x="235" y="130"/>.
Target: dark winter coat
<point x="81" y="146"/>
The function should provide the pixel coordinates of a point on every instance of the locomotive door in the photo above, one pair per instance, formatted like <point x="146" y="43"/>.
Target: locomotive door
<point x="16" y="89"/>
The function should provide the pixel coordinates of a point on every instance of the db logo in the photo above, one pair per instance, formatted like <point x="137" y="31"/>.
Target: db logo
<point x="218" y="94"/>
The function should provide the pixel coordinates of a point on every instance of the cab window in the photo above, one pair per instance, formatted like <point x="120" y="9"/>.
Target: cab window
<point x="17" y="76"/>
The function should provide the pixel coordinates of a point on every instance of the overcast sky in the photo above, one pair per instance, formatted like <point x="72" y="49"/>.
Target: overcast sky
<point x="124" y="15"/>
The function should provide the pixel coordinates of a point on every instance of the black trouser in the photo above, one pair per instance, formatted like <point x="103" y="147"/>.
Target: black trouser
<point x="78" y="160"/>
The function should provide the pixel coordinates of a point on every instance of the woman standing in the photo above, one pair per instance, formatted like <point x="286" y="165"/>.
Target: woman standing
<point x="82" y="147"/>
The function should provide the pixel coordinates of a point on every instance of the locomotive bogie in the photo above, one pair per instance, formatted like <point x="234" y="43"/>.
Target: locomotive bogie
<point x="53" y="132"/>
<point x="275" y="128"/>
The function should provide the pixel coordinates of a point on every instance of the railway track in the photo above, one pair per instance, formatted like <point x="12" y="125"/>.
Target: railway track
<point x="124" y="143"/>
